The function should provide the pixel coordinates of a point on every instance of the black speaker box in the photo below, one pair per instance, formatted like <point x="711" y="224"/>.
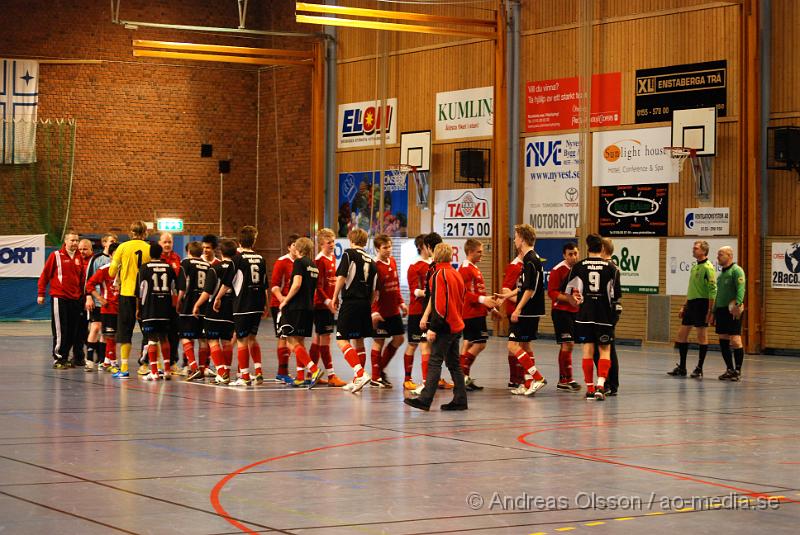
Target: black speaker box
<point x="224" y="166"/>
<point x="206" y="150"/>
<point x="787" y="145"/>
<point x="471" y="164"/>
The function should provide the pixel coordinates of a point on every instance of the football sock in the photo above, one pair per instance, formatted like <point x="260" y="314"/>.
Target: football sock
<point x="188" y="355"/>
<point x="375" y="358"/>
<point x="702" y="358"/>
<point x="408" y="364"/>
<point x="738" y="354"/>
<point x="683" y="349"/>
<point x="283" y="360"/>
<point x="588" y="372"/>
<point x="725" y="349"/>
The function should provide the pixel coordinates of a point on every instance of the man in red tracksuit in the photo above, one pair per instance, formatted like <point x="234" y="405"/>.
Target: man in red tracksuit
<point x="63" y="272"/>
<point x="443" y="320"/>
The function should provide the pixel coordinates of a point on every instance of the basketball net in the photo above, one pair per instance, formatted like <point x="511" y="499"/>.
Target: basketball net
<point x="701" y="168"/>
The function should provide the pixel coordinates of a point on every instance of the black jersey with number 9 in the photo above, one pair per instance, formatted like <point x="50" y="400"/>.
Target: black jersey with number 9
<point x="597" y="280"/>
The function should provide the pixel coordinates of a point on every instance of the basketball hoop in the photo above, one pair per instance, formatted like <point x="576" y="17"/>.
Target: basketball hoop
<point x="679" y="156"/>
<point x="701" y="168"/>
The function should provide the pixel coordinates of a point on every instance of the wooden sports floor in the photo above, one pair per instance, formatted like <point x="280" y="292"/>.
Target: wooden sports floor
<point x="82" y="453"/>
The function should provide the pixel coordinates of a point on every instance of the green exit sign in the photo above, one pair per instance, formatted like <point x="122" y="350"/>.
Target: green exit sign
<point x="170" y="225"/>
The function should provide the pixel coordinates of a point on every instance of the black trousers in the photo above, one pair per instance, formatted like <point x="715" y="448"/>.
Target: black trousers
<point x="612" y="381"/>
<point x="445" y="349"/>
<point x="82" y="333"/>
<point x="64" y="318"/>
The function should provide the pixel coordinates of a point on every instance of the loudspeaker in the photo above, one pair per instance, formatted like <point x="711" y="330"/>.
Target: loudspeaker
<point x="224" y="166"/>
<point x="206" y="150"/>
<point x="471" y="164"/>
<point x="787" y="145"/>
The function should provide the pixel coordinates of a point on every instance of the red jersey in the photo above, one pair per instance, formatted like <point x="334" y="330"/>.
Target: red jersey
<point x="389" y="297"/>
<point x="475" y="288"/>
<point x="174" y="260"/>
<point x="556" y="285"/>
<point x="64" y="274"/>
<point x="326" y="282"/>
<point x="417" y="273"/>
<point x="281" y="278"/>
<point x="447" y="294"/>
<point x="107" y="289"/>
<point x="510" y="278"/>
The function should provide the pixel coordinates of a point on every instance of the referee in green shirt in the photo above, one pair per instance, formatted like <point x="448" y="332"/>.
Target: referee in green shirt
<point x="698" y="309"/>
<point x="728" y="309"/>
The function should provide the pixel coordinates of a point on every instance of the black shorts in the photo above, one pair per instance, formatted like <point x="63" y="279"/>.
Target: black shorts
<point x="476" y="331"/>
<point x="109" y="324"/>
<point x="695" y="313"/>
<point x="324" y="322"/>
<point x="354" y="321"/>
<point x="246" y="324"/>
<point x="592" y="333"/>
<point x="217" y="329"/>
<point x="296" y="323"/>
<point x="415" y="334"/>
<point x="95" y="315"/>
<point x="275" y="312"/>
<point x="155" y="327"/>
<point x="525" y="330"/>
<point x="126" y="319"/>
<point x="392" y="326"/>
<point x="726" y="324"/>
<point x="564" y="325"/>
<point x="190" y="327"/>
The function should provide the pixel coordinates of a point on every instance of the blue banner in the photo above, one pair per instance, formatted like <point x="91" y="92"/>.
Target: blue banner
<point x="358" y="192"/>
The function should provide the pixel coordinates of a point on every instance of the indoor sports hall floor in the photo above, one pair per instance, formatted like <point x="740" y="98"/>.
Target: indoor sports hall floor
<point x="82" y="453"/>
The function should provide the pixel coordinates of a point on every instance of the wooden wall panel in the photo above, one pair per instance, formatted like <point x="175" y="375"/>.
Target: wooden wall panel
<point x="780" y="327"/>
<point x="785" y="76"/>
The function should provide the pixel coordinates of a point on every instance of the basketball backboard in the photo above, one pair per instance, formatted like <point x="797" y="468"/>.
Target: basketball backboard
<point x="415" y="149"/>
<point x="695" y="128"/>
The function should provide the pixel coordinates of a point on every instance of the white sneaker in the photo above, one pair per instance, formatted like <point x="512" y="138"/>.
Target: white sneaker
<point x="417" y="391"/>
<point x="241" y="382"/>
<point x="349" y="387"/>
<point x="535" y="387"/>
<point x="89" y="366"/>
<point x="185" y="371"/>
<point x="209" y="372"/>
<point x="520" y="390"/>
<point x="360" y="382"/>
<point x="152" y="377"/>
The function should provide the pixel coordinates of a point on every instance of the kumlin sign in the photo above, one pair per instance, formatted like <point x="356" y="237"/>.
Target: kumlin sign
<point x="466" y="113"/>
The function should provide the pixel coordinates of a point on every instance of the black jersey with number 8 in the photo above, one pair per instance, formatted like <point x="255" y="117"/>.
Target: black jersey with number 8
<point x="191" y="281"/>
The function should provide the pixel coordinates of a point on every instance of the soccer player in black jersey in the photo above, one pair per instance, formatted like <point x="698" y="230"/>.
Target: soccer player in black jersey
<point x="529" y="295"/>
<point x="191" y="281"/>
<point x="595" y="287"/>
<point x="155" y="285"/>
<point x="355" y="281"/>
<point x="247" y="278"/>
<point x="218" y="326"/>
<point x="296" y="320"/>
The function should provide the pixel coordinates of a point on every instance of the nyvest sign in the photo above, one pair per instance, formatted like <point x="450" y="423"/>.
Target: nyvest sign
<point x="466" y="113"/>
<point x="21" y="256"/>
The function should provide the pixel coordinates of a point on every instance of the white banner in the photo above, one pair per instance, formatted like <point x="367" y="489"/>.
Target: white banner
<point x="786" y="265"/>
<point x="463" y="213"/>
<point x="638" y="261"/>
<point x="706" y="221"/>
<point x="465" y="113"/>
<point x="552" y="175"/>
<point x="19" y="101"/>
<point x="362" y="123"/>
<point x="680" y="260"/>
<point x="630" y="157"/>
<point x="21" y="256"/>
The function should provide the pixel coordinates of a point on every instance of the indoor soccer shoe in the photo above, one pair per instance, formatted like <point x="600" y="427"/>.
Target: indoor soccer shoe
<point x="697" y="373"/>
<point x="196" y="375"/>
<point x="471" y="385"/>
<point x="223" y="379"/>
<point x="599" y="394"/>
<point x="152" y="377"/>
<point x="335" y="382"/>
<point x="727" y="375"/>
<point x="286" y="379"/>
<point x="241" y="382"/>
<point x="386" y="380"/>
<point x="409" y="385"/>
<point x="678" y="372"/>
<point x="444" y="385"/>
<point x="535" y="387"/>
<point x="520" y="390"/>
<point x="360" y="382"/>
<point x="144" y="369"/>
<point x="259" y="380"/>
<point x="314" y="379"/>
<point x="121" y="375"/>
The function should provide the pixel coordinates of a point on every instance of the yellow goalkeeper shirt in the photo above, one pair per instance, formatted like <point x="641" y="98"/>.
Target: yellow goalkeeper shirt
<point x="127" y="260"/>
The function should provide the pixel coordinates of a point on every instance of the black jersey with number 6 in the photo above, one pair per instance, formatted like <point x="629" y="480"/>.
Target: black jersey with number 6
<point x="247" y="278"/>
<point x="156" y="282"/>
<point x="191" y="281"/>
<point x="360" y="273"/>
<point x="214" y="279"/>
<point x="597" y="280"/>
<point x="532" y="278"/>
<point x="304" y="298"/>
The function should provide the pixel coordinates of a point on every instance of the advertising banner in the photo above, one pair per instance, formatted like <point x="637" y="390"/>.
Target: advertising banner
<point x="786" y="265"/>
<point x="661" y="90"/>
<point x="362" y="123"/>
<point x="552" y="176"/>
<point x="463" y="213"/>
<point x="634" y="210"/>
<point x="638" y="261"/>
<point x="627" y="157"/>
<point x="707" y="221"/>
<point x="466" y="113"/>
<point x="21" y="256"/>
<point x="554" y="104"/>
<point x="358" y="192"/>
<point x="680" y="260"/>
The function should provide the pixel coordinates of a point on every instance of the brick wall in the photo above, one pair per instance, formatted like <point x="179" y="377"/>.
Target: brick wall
<point x="141" y="121"/>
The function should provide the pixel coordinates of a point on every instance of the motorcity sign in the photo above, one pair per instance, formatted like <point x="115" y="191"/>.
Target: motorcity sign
<point x="361" y="124"/>
<point x="21" y="256"/>
<point x="552" y="176"/>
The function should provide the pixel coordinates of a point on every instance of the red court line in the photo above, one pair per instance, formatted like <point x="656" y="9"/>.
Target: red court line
<point x="215" y="492"/>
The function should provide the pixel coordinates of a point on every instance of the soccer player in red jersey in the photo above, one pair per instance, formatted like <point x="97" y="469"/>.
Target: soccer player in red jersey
<point x="324" y="321"/>
<point x="563" y="314"/>
<point x="516" y="375"/>
<point x="101" y="287"/>
<point x="63" y="272"/>
<point x="86" y="250"/>
<point x="476" y="306"/>
<point x="280" y="282"/>
<point x="210" y="243"/>
<point x="387" y="312"/>
<point x="95" y="342"/>
<point x="416" y="286"/>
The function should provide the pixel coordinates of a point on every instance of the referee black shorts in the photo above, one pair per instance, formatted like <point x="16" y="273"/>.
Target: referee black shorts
<point x="126" y="319"/>
<point x="695" y="313"/>
<point x="726" y="323"/>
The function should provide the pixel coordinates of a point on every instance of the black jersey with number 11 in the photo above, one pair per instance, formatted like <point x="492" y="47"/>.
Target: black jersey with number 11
<point x="247" y="278"/>
<point x="156" y="283"/>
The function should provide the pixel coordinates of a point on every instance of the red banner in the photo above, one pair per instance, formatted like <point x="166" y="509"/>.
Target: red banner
<point x="553" y="104"/>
